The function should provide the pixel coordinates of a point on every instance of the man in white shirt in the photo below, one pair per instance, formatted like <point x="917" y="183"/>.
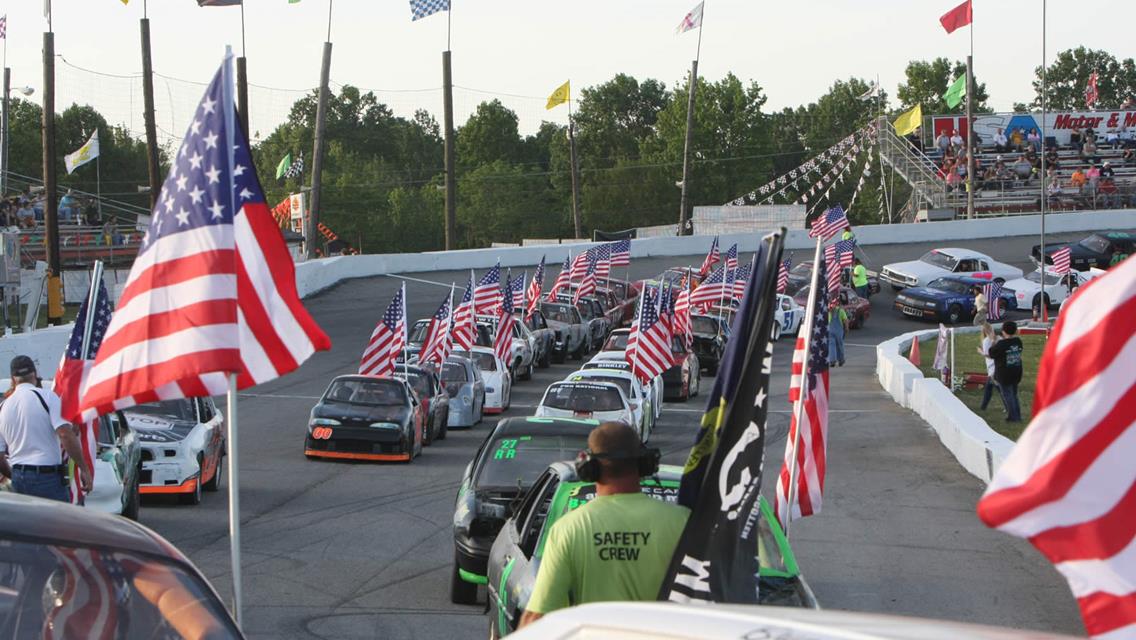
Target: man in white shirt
<point x="1001" y="143"/>
<point x="32" y="433"/>
<point x="956" y="140"/>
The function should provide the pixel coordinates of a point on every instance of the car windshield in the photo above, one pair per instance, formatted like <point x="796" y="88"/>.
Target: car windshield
<point x="484" y="361"/>
<point x="419" y="382"/>
<point x="1096" y="243"/>
<point x="951" y="286"/>
<point x="579" y="396"/>
<point x="483" y="337"/>
<point x="622" y="383"/>
<point x="586" y="310"/>
<point x="377" y="392"/>
<point x="149" y="598"/>
<point x="704" y="324"/>
<point x="616" y="342"/>
<point x="939" y="259"/>
<point x="418" y="333"/>
<point x="535" y="321"/>
<point x="802" y="269"/>
<point x="1050" y="278"/>
<point x="453" y="372"/>
<point x="560" y="313"/>
<point x="619" y="289"/>
<point x="181" y="409"/>
<point x="514" y="458"/>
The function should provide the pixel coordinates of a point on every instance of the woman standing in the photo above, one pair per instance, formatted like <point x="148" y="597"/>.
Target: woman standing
<point x="988" y="340"/>
<point x="837" y="326"/>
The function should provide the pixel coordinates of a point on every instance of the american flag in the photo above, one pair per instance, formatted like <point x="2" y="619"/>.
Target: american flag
<point x="741" y="277"/>
<point x="464" y="329"/>
<point x="487" y="295"/>
<point x="436" y="344"/>
<point x="680" y="323"/>
<point x="387" y="340"/>
<point x="620" y="253"/>
<point x="833" y="272"/>
<point x="813" y="445"/>
<point x="517" y="288"/>
<point x="712" y="290"/>
<point x="829" y="223"/>
<point x="993" y="292"/>
<point x="1063" y="260"/>
<point x="588" y="284"/>
<point x="648" y="345"/>
<point x="93" y="591"/>
<point x="562" y="278"/>
<point x="712" y="258"/>
<point x="535" y="286"/>
<point x="421" y="8"/>
<point x="783" y="276"/>
<point x="580" y="265"/>
<point x="503" y="341"/>
<point x="213" y="287"/>
<point x="846" y="252"/>
<point x="1068" y="484"/>
<point x="731" y="258"/>
<point x="72" y="367"/>
<point x="602" y="256"/>
<point x="1091" y="92"/>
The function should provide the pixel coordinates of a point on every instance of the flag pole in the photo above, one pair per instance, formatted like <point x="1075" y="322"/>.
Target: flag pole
<point x="970" y="122"/>
<point x="1044" y="192"/>
<point x="98" y="180"/>
<point x="683" y="221"/>
<point x="799" y="404"/>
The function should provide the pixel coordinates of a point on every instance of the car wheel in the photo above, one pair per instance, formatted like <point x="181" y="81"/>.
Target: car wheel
<point x="546" y="359"/>
<point x="214" y="483"/>
<point x="445" y="427"/>
<point x="461" y="592"/>
<point x="528" y="372"/>
<point x="697" y="388"/>
<point x="954" y="314"/>
<point x="776" y="331"/>
<point x="193" y="498"/>
<point x="428" y="433"/>
<point x="579" y="354"/>
<point x="133" y="503"/>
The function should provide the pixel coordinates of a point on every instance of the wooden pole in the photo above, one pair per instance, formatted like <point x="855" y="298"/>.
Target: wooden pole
<point x="311" y="232"/>
<point x="154" y="171"/>
<point x="451" y="170"/>
<point x="685" y="228"/>
<point x="50" y="202"/>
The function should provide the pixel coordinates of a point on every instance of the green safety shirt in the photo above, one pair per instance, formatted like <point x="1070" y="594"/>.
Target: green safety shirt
<point x="859" y="276"/>
<point x="847" y="235"/>
<point x="616" y="547"/>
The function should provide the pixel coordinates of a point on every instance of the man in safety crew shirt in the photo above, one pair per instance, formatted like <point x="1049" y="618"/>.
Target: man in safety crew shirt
<point x="32" y="432"/>
<point x="616" y="547"/>
<point x="860" y="279"/>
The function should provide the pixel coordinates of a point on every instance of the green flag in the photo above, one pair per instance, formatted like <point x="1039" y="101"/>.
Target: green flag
<point x="954" y="95"/>
<point x="282" y="168"/>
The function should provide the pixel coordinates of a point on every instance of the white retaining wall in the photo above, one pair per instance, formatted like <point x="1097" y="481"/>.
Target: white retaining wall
<point x="977" y="447"/>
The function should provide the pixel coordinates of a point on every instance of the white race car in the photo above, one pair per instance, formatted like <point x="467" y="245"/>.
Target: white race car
<point x="642" y="412"/>
<point x="615" y="360"/>
<point x="524" y="346"/>
<point x="1028" y="290"/>
<point x="183" y="446"/>
<point x="937" y="263"/>
<point x="788" y="317"/>
<point x="603" y="401"/>
<point x="498" y="382"/>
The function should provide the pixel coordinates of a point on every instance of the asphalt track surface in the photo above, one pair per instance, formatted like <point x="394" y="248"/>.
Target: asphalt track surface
<point x="364" y="550"/>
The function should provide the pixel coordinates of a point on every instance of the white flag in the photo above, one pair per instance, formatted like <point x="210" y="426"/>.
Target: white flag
<point x="693" y="20"/>
<point x="83" y="154"/>
<point x="873" y="90"/>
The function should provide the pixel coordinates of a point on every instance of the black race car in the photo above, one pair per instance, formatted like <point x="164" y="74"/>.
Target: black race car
<point x="710" y="336"/>
<point x="801" y="274"/>
<point x="366" y="418"/>
<point x="435" y="401"/>
<point x="1097" y="250"/>
<point x="505" y="465"/>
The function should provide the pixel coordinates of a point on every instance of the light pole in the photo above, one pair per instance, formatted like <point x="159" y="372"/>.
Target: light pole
<point x="26" y="91"/>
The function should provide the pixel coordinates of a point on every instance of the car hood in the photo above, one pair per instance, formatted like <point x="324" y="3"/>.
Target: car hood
<point x="912" y="268"/>
<point x="360" y="413"/>
<point x="926" y="293"/>
<point x="1022" y="284"/>
<point x="556" y="324"/>
<point x="159" y="428"/>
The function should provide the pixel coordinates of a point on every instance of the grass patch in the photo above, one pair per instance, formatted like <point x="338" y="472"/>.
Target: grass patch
<point x="967" y="360"/>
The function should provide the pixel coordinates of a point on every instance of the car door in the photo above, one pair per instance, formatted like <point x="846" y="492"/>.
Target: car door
<point x="512" y="556"/>
<point x="210" y="419"/>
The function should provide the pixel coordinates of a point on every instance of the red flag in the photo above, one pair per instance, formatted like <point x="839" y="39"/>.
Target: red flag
<point x="1092" y="94"/>
<point x="960" y="16"/>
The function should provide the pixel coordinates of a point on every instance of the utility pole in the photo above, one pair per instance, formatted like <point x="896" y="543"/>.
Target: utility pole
<point x="576" y="223"/>
<point x="685" y="228"/>
<point x="451" y="170"/>
<point x="311" y="230"/>
<point x="242" y="82"/>
<point x="50" y="202"/>
<point x="4" y="130"/>
<point x="155" y="174"/>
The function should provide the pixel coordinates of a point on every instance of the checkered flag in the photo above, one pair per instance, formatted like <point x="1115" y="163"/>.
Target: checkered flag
<point x="297" y="168"/>
<point x="422" y="8"/>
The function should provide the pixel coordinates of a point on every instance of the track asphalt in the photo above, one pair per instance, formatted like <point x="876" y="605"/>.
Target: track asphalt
<point x="361" y="550"/>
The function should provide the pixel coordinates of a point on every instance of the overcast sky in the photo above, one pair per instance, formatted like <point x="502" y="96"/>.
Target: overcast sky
<point x="525" y="48"/>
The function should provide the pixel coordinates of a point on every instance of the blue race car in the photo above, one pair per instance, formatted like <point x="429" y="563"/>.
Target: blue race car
<point x="948" y="300"/>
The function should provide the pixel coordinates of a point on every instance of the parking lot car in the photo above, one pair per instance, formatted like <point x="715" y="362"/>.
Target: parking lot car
<point x="938" y="263"/>
<point x="462" y="381"/>
<point x="366" y="418"/>
<point x="788" y="317"/>
<point x="601" y="401"/>
<point x="597" y="323"/>
<point x="496" y="376"/>
<point x="947" y="300"/>
<point x="570" y="333"/>
<point x="802" y="272"/>
<point x="1027" y="291"/>
<point x="55" y="558"/>
<point x="435" y="401"/>
<point x="504" y="467"/>
<point x="183" y="446"/>
<point x="652" y="390"/>
<point x="857" y="308"/>
<point x="515" y="556"/>
<point x="542" y="336"/>
<point x="683" y="379"/>
<point x="710" y="336"/>
<point x="628" y="294"/>
<point x="642" y="413"/>
<point x="1095" y="250"/>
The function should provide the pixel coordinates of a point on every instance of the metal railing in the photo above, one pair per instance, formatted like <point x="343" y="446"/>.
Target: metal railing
<point x="912" y="165"/>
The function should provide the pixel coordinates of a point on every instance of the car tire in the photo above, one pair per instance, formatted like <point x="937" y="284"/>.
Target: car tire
<point x="697" y="388"/>
<point x="776" y="331"/>
<point x="579" y="354"/>
<point x="1037" y="301"/>
<point x="546" y="359"/>
<point x="133" y="503"/>
<point x="214" y="483"/>
<point x="445" y="427"/>
<point x="954" y="314"/>
<point x="528" y="372"/>
<point x="461" y="592"/>
<point x="193" y="498"/>
<point x="428" y="434"/>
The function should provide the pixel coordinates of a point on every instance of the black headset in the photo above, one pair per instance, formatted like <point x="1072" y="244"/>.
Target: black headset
<point x="588" y="467"/>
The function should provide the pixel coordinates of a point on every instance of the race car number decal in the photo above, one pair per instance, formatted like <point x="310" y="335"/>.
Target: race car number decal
<point x="321" y="433"/>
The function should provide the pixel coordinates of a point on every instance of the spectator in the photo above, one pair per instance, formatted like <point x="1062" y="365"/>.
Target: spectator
<point x="25" y="216"/>
<point x="837" y="326"/>
<point x="1112" y="138"/>
<point x="981" y="305"/>
<point x="990" y="179"/>
<point x="1051" y="157"/>
<point x="954" y="180"/>
<point x="1053" y="187"/>
<point x="1106" y="171"/>
<point x="1017" y="139"/>
<point x="956" y="141"/>
<point x="1127" y="138"/>
<point x="1001" y="144"/>
<point x="1109" y="194"/>
<point x="1078" y="179"/>
<point x="1023" y="169"/>
<point x="1076" y="139"/>
<point x="943" y="142"/>
<point x="1129" y="157"/>
<point x="1007" y="355"/>
<point x="1089" y="151"/>
<point x="1034" y="140"/>
<point x="988" y="340"/>
<point x="67" y="206"/>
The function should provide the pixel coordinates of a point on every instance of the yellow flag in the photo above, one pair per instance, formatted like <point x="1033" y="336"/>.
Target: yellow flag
<point x="560" y="96"/>
<point x="909" y="121"/>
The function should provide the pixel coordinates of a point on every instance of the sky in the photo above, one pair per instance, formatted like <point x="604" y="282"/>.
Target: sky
<point x="520" y="50"/>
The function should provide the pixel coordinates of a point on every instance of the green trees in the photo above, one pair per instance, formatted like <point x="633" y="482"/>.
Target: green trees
<point x="928" y="81"/>
<point x="1068" y="76"/>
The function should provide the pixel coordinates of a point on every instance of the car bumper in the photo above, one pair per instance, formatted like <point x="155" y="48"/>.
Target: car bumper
<point x="461" y="415"/>
<point x="359" y="445"/>
<point x="674" y="383"/>
<point x="897" y="282"/>
<point x="473" y="554"/>
<point x="169" y="476"/>
<point x="922" y="313"/>
<point x="189" y="486"/>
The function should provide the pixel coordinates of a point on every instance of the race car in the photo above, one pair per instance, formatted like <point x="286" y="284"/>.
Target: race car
<point x="938" y="263"/>
<point x="366" y="418"/>
<point x="595" y="321"/>
<point x="603" y="401"/>
<point x="710" y="336"/>
<point x="801" y="275"/>
<point x="495" y="374"/>
<point x="542" y="335"/>
<point x="524" y="347"/>
<point x="1096" y="250"/>
<point x="462" y="382"/>
<point x="948" y="300"/>
<point x="615" y="345"/>
<point x="642" y="413"/>
<point x="683" y="379"/>
<point x="857" y="308"/>
<point x="628" y="294"/>
<point x="515" y="556"/>
<point x="183" y="446"/>
<point x="652" y="390"/>
<point x="483" y="335"/>
<point x="788" y="317"/>
<point x="435" y="401"/>
<point x="505" y="466"/>
<point x="570" y="333"/>
<point x="1027" y="291"/>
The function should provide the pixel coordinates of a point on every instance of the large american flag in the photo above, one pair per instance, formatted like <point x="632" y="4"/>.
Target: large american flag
<point x="1063" y="260"/>
<point x="387" y="340"/>
<point x="712" y="258"/>
<point x="712" y="290"/>
<point x="741" y="278"/>
<point x="503" y="341"/>
<point x="602" y="255"/>
<point x="1069" y="485"/>
<point x="516" y="287"/>
<point x="487" y="295"/>
<point x="464" y="322"/>
<point x="833" y="272"/>
<point x="731" y="258"/>
<point x="435" y="346"/>
<point x="213" y="288"/>
<point x="534" y="290"/>
<point x="649" y="343"/>
<point x="588" y="283"/>
<point x="783" y="276"/>
<point x="846" y="252"/>
<point x="580" y="265"/>
<point x="562" y="278"/>
<point x="680" y="323"/>
<point x="829" y="223"/>
<point x="620" y="253"/>
<point x="72" y="367"/>
<point x="811" y="389"/>
<point x="993" y="292"/>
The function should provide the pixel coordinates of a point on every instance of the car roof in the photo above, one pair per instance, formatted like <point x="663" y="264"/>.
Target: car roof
<point x="410" y="368"/>
<point x="548" y="426"/>
<point x="356" y="376"/>
<point x="956" y="252"/>
<point x="623" y="374"/>
<point x="62" y="523"/>
<point x="566" y="471"/>
<point x="587" y="383"/>
<point x="966" y="279"/>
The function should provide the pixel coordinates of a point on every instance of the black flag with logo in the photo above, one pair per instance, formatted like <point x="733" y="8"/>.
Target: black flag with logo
<point x="716" y="558"/>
